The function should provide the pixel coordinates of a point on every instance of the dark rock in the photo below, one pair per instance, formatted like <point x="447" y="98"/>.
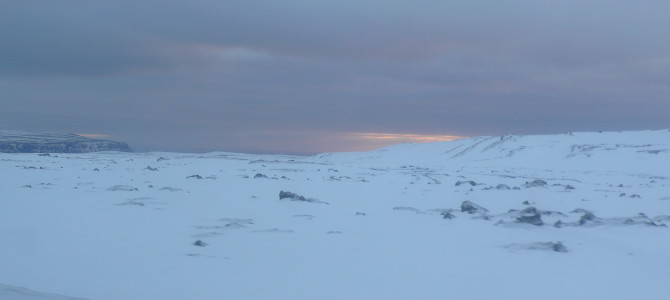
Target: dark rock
<point x="543" y="246"/>
<point x="259" y="175"/>
<point x="552" y="213"/>
<point x="234" y="226"/>
<point x="125" y="188"/>
<point x="196" y="176"/>
<point x="361" y="214"/>
<point x="558" y="224"/>
<point x="171" y="189"/>
<point x="151" y="169"/>
<point x="579" y="211"/>
<point x="132" y="202"/>
<point x="526" y="203"/>
<point x="535" y="183"/>
<point x="558" y="247"/>
<point x="587" y="217"/>
<point x="447" y="215"/>
<point x="530" y="215"/>
<point x="470" y="182"/>
<point x="472" y="208"/>
<point x="569" y="187"/>
<point x="295" y="197"/>
<point x="289" y="195"/>
<point x="502" y="187"/>
<point x="200" y="243"/>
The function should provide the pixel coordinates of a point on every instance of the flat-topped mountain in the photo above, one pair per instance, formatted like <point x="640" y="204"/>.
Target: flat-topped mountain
<point x="13" y="141"/>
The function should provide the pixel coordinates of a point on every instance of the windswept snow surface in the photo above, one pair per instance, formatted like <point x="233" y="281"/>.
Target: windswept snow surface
<point x="573" y="216"/>
<point x="8" y="292"/>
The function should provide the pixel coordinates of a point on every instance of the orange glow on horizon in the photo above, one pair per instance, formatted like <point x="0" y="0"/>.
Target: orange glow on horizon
<point x="94" y="135"/>
<point x="406" y="137"/>
<point x="366" y="141"/>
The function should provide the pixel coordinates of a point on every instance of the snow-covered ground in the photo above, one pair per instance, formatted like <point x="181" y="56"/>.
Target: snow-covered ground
<point x="573" y="216"/>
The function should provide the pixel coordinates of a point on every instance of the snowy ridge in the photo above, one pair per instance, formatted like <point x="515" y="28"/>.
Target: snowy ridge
<point x="581" y="216"/>
<point x="611" y="150"/>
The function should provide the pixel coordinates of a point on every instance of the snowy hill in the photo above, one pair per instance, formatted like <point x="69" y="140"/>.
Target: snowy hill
<point x="612" y="150"/>
<point x="13" y="141"/>
<point x="573" y="216"/>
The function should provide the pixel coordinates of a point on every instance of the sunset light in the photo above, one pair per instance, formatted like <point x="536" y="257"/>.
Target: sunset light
<point x="406" y="137"/>
<point x="365" y="141"/>
<point x="94" y="135"/>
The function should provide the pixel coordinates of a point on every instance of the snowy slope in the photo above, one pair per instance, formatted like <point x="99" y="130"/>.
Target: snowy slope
<point x="632" y="150"/>
<point x="575" y="216"/>
<point x="8" y="292"/>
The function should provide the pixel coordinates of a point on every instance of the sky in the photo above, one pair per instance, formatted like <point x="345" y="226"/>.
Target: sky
<point x="313" y="76"/>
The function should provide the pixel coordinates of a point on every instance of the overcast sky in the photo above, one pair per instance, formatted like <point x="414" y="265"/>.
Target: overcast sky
<point x="318" y="76"/>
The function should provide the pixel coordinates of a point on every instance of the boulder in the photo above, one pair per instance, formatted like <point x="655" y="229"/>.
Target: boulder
<point x="472" y="208"/>
<point x="530" y="215"/>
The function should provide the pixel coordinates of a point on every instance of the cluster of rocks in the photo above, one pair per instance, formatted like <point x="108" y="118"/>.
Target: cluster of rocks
<point x="528" y="184"/>
<point x="125" y="188"/>
<point x="534" y="216"/>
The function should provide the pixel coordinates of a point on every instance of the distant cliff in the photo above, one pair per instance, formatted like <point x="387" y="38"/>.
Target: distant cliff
<point x="12" y="141"/>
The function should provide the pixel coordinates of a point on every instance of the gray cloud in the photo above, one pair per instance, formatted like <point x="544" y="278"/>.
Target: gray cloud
<point x="264" y="76"/>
